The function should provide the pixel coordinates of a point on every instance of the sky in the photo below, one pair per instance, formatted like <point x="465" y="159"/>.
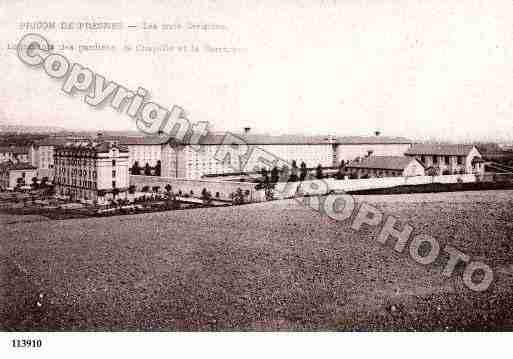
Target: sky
<point x="420" y="69"/>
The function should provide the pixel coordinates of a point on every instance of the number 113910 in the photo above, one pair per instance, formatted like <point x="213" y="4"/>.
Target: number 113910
<point x="26" y="343"/>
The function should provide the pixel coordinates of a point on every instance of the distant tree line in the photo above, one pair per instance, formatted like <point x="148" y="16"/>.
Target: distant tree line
<point x="23" y="139"/>
<point x="295" y="174"/>
<point x="147" y="170"/>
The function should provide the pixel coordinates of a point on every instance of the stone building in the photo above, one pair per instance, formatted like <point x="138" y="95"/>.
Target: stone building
<point x="90" y="170"/>
<point x="15" y="154"/>
<point x="41" y="155"/>
<point x="14" y="174"/>
<point x="385" y="166"/>
<point x="218" y="154"/>
<point x="448" y="159"/>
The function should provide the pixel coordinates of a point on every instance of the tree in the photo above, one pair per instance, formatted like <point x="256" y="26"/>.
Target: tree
<point x="293" y="172"/>
<point x="155" y="189"/>
<point x="318" y="172"/>
<point x="136" y="170"/>
<point x="49" y="190"/>
<point x="34" y="185"/>
<point x="147" y="169"/>
<point x="275" y="175"/>
<point x="237" y="196"/>
<point x="115" y="192"/>
<point x="168" y="188"/>
<point x="432" y="171"/>
<point x="265" y="175"/>
<point x="285" y="173"/>
<point x="269" y="193"/>
<point x="206" y="196"/>
<point x="171" y="202"/>
<point x="20" y="181"/>
<point x="145" y="189"/>
<point x="341" y="170"/>
<point x="44" y="181"/>
<point x="158" y="168"/>
<point x="131" y="189"/>
<point x="303" y="171"/>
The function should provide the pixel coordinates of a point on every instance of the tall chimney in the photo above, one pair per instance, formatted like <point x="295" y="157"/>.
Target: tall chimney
<point x="246" y="130"/>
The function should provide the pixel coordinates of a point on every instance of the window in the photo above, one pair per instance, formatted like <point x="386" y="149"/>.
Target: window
<point x="446" y="160"/>
<point x="460" y="160"/>
<point x="435" y="159"/>
<point x="423" y="159"/>
<point x="113" y="184"/>
<point x="113" y="163"/>
<point x="113" y="173"/>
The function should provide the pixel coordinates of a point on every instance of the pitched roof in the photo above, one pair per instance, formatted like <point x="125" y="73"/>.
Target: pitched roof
<point x="98" y="147"/>
<point x="364" y="140"/>
<point x="254" y="139"/>
<point x="439" y="150"/>
<point x="14" y="149"/>
<point x="263" y="139"/>
<point x="17" y="166"/>
<point x="147" y="140"/>
<point x="383" y="162"/>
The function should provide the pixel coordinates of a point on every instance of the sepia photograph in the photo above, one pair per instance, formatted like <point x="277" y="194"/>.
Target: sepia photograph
<point x="255" y="169"/>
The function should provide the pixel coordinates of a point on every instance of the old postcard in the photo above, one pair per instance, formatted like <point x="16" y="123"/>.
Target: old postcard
<point x="255" y="166"/>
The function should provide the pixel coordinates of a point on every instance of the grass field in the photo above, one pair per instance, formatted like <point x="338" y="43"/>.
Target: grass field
<point x="267" y="266"/>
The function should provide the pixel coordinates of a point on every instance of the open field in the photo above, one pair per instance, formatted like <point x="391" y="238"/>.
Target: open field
<point x="267" y="266"/>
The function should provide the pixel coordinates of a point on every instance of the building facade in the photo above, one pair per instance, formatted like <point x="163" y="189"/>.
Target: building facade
<point x="15" y="154"/>
<point x="448" y="159"/>
<point x="89" y="170"/>
<point x="143" y="150"/>
<point x="209" y="157"/>
<point x="385" y="166"/>
<point x="16" y="174"/>
<point x="41" y="155"/>
<point x="214" y="156"/>
<point x="351" y="148"/>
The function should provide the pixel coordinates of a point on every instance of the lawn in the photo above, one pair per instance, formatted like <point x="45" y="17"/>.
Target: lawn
<point x="266" y="266"/>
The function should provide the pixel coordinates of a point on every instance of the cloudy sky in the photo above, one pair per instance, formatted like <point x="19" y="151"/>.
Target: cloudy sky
<point x="421" y="69"/>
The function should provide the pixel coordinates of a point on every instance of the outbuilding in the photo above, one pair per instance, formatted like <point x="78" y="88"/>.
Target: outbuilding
<point x="385" y="166"/>
<point x="14" y="175"/>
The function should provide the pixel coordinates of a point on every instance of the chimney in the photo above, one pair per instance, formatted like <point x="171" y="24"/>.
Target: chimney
<point x="246" y="130"/>
<point x="377" y="133"/>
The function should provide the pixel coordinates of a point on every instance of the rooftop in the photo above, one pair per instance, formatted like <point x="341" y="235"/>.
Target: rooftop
<point x="14" y="149"/>
<point x="98" y="147"/>
<point x="256" y="139"/>
<point x="147" y="140"/>
<point x="383" y="162"/>
<point x="441" y="150"/>
<point x="17" y="166"/>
